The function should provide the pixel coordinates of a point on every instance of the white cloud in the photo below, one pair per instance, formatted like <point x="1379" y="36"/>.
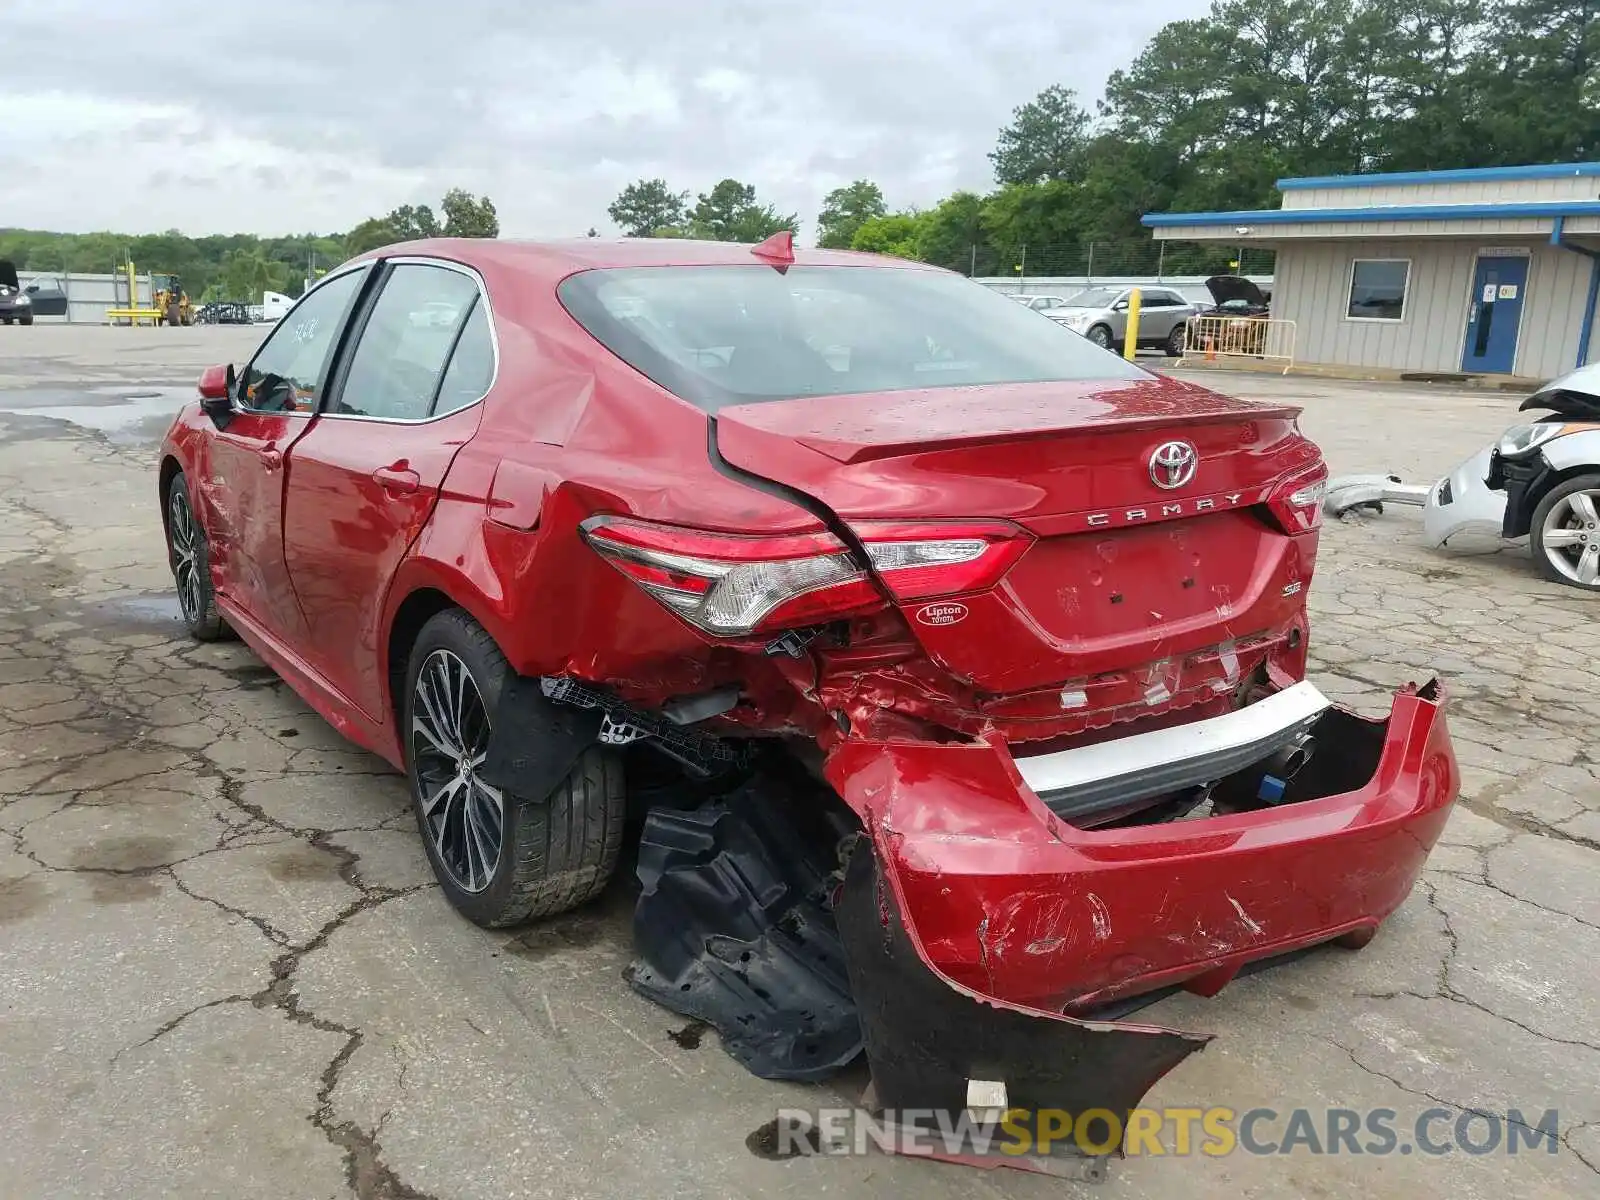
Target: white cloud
<point x="277" y="116"/>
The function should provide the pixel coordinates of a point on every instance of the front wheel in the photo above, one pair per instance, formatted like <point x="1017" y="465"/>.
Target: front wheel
<point x="1566" y="533"/>
<point x="501" y="859"/>
<point x="189" y="556"/>
<point x="1100" y="336"/>
<point x="27" y="320"/>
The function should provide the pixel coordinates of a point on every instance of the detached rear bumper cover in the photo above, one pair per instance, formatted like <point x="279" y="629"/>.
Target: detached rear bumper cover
<point x="1003" y="899"/>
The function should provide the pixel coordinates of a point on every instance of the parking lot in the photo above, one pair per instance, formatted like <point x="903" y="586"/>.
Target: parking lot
<point x="224" y="968"/>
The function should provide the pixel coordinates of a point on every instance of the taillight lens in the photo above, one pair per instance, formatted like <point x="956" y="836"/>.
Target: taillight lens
<point x="941" y="558"/>
<point x="731" y="585"/>
<point x="1296" y="504"/>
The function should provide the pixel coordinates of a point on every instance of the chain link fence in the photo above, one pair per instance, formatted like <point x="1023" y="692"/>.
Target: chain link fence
<point x="1117" y="259"/>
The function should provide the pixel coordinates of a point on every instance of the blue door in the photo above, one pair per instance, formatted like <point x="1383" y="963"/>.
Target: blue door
<point x="1496" y="315"/>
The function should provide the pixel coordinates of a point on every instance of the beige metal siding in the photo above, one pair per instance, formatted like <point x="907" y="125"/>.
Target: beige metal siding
<point x="1489" y="191"/>
<point x="1558" y="289"/>
<point x="1313" y="290"/>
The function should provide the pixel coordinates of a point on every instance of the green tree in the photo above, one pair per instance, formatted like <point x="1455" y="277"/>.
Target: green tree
<point x="896" y="233"/>
<point x="647" y="207"/>
<point x="369" y="235"/>
<point x="845" y="210"/>
<point x="1045" y="140"/>
<point x="469" y="216"/>
<point x="729" y="212"/>
<point x="413" y="222"/>
<point x="248" y="273"/>
<point x="1541" y="61"/>
<point x="952" y="235"/>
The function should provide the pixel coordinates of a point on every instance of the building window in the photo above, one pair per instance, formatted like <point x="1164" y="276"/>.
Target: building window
<point x="1378" y="289"/>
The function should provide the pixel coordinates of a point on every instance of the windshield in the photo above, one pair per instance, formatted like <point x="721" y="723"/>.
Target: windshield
<point x="1094" y="298"/>
<point x="718" y="336"/>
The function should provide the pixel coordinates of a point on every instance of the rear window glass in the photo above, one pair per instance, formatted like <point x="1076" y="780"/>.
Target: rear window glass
<point x="719" y="336"/>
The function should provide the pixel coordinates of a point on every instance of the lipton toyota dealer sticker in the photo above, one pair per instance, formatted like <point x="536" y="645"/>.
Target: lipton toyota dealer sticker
<point x="942" y="614"/>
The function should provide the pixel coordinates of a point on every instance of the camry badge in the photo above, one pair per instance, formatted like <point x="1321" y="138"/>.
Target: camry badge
<point x="1173" y="464"/>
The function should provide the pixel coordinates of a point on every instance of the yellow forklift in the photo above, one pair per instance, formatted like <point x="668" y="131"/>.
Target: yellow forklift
<point x="170" y="300"/>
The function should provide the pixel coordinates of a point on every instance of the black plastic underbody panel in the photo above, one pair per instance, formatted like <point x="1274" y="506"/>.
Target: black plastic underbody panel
<point x="734" y="926"/>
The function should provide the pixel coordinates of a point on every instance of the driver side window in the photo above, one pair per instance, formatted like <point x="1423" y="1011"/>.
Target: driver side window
<point x="288" y="372"/>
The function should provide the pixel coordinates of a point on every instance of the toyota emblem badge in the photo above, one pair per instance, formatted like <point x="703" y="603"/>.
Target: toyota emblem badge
<point x="1173" y="465"/>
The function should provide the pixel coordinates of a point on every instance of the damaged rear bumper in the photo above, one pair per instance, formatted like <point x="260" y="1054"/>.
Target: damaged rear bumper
<point x="1006" y="899"/>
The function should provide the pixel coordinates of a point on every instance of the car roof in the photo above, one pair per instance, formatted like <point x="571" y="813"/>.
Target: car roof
<point x="558" y="259"/>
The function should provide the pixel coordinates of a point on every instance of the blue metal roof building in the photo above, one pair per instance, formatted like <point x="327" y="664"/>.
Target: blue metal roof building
<point x="1491" y="271"/>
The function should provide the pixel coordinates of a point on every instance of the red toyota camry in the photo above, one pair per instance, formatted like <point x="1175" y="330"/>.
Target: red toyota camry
<point x="547" y="524"/>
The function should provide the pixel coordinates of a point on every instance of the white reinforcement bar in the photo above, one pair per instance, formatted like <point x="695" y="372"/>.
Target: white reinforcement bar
<point x="1135" y="768"/>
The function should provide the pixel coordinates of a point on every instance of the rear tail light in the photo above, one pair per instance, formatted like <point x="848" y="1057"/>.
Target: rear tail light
<point x="1296" y="504"/>
<point x="732" y="585"/>
<point x="944" y="558"/>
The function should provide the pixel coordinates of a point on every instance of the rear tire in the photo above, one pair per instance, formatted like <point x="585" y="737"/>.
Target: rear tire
<point x="501" y="859"/>
<point x="189" y="556"/>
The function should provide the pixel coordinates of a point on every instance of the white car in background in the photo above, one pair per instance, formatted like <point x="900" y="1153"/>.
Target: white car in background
<point x="1539" y="484"/>
<point x="1101" y="315"/>
<point x="1044" y="304"/>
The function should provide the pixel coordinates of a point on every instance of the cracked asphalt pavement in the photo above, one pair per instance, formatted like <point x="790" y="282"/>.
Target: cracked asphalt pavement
<point x="225" y="969"/>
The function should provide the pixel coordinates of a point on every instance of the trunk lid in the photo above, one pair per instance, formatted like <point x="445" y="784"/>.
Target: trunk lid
<point x="1122" y="573"/>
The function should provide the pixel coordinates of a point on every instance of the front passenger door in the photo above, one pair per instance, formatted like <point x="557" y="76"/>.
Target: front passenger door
<point x="243" y="489"/>
<point x="364" y="479"/>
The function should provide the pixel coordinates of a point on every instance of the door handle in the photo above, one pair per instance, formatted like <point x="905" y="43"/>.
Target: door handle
<point x="271" y="457"/>
<point x="397" y="481"/>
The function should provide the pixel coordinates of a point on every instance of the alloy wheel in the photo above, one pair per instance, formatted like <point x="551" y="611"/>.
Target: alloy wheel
<point x="1571" y="535"/>
<point x="463" y="815"/>
<point x="184" y="536"/>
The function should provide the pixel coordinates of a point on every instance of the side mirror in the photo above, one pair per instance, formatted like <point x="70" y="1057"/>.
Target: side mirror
<point x="216" y="394"/>
<point x="1120" y="306"/>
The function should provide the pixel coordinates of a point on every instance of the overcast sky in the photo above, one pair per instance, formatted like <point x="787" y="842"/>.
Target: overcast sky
<point x="287" y="116"/>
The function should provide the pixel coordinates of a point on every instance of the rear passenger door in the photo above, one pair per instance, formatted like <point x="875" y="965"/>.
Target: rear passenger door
<point x="1160" y="313"/>
<point x="364" y="479"/>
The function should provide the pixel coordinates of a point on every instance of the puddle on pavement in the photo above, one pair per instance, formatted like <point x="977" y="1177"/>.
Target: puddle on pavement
<point x="152" y="612"/>
<point x="126" y="414"/>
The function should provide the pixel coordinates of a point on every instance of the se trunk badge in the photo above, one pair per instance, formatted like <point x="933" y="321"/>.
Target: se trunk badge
<point x="942" y="614"/>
